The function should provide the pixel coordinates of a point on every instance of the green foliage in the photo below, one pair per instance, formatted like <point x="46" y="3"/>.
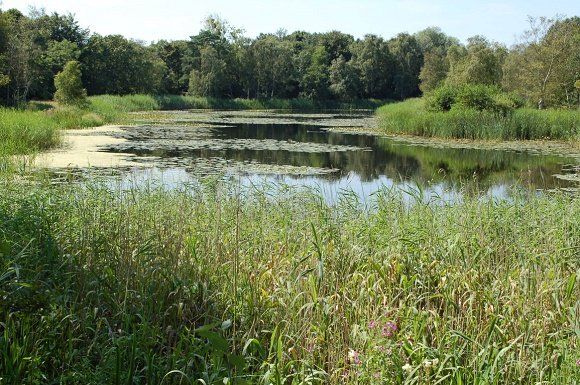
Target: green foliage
<point x="545" y="65"/>
<point x="480" y="62"/>
<point x="502" y="121"/>
<point x="434" y="70"/>
<point x="442" y="98"/>
<point x="212" y="77"/>
<point x="115" y="65"/>
<point x="408" y="59"/>
<point x="69" y="86"/>
<point x="111" y="286"/>
<point x="220" y="62"/>
<point x="345" y="81"/>
<point x="4" y="33"/>
<point x="316" y="80"/>
<point x="23" y="132"/>
<point x="376" y="65"/>
<point x="473" y="96"/>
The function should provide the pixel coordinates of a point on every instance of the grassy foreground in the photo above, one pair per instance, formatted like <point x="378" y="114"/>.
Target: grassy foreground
<point x="411" y="117"/>
<point x="145" y="286"/>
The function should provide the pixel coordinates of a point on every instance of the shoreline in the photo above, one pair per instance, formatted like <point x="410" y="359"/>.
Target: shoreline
<point x="81" y="149"/>
<point x="569" y="149"/>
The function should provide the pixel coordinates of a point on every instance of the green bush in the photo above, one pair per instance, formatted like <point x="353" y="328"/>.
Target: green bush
<point x="478" y="97"/>
<point x="441" y="99"/>
<point x="69" y="87"/>
<point x="473" y="96"/>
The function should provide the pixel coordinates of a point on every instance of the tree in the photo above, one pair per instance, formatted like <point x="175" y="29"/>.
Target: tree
<point x="211" y="79"/>
<point x="55" y="27"/>
<point x="115" y="65"/>
<point x="4" y="79"/>
<point x="69" y="86"/>
<point x="172" y="54"/>
<point x="434" y="70"/>
<point x="273" y="66"/>
<point x="544" y="66"/>
<point x="434" y="44"/>
<point x="23" y="57"/>
<point x="337" y="45"/>
<point x="218" y="35"/>
<point x="315" y="81"/>
<point x="345" y="79"/>
<point x="433" y="38"/>
<point x="376" y="66"/>
<point x="480" y="62"/>
<point x="408" y="62"/>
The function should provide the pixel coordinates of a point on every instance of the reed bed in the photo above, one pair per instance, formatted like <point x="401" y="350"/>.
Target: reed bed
<point x="179" y="102"/>
<point x="411" y="117"/>
<point x="221" y="284"/>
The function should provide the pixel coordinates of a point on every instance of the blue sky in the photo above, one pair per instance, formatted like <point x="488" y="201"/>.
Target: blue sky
<point x="151" y="20"/>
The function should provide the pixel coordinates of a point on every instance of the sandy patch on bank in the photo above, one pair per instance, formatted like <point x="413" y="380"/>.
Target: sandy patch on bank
<point x="81" y="149"/>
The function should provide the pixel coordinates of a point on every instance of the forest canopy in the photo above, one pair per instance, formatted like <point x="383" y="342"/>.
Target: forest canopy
<point x="543" y="67"/>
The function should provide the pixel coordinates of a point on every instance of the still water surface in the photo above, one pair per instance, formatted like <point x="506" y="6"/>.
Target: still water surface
<point x="306" y="149"/>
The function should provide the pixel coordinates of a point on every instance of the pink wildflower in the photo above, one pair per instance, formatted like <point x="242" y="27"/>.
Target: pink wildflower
<point x="389" y="329"/>
<point x="372" y="324"/>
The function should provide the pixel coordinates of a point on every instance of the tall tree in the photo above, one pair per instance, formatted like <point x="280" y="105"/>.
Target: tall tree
<point x="376" y="66"/>
<point x="24" y="57"/>
<point x="545" y="65"/>
<point x="115" y="65"/>
<point x="212" y="78"/>
<point x="433" y="38"/>
<point x="337" y="45"/>
<point x="219" y="35"/>
<point x="172" y="54"/>
<point x="315" y="81"/>
<point x="434" y="46"/>
<point x="481" y="62"/>
<point x="408" y="62"/>
<point x="345" y="79"/>
<point x="434" y="70"/>
<point x="4" y="79"/>
<point x="273" y="66"/>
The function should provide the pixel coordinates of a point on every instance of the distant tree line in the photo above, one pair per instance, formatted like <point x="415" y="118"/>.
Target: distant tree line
<point x="544" y="67"/>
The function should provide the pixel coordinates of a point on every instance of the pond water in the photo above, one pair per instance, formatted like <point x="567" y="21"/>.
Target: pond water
<point x="317" y="150"/>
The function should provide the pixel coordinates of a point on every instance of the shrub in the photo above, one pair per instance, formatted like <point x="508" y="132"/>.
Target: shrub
<point x="477" y="96"/>
<point x="441" y="99"/>
<point x="69" y="87"/>
<point x="473" y="96"/>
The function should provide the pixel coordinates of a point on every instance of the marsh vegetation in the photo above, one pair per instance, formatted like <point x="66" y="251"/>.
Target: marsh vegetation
<point x="447" y="266"/>
<point x="273" y="285"/>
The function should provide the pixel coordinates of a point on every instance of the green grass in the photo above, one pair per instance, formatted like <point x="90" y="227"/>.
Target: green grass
<point x="25" y="131"/>
<point x="411" y="117"/>
<point x="28" y="132"/>
<point x="103" y="285"/>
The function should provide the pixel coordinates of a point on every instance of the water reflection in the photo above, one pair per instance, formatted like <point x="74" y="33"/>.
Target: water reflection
<point x="361" y="163"/>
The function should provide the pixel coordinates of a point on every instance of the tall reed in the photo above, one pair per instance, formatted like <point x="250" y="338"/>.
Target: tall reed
<point x="411" y="117"/>
<point x="273" y="285"/>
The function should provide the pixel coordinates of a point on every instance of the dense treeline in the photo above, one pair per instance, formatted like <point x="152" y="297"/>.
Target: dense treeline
<point x="221" y="62"/>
